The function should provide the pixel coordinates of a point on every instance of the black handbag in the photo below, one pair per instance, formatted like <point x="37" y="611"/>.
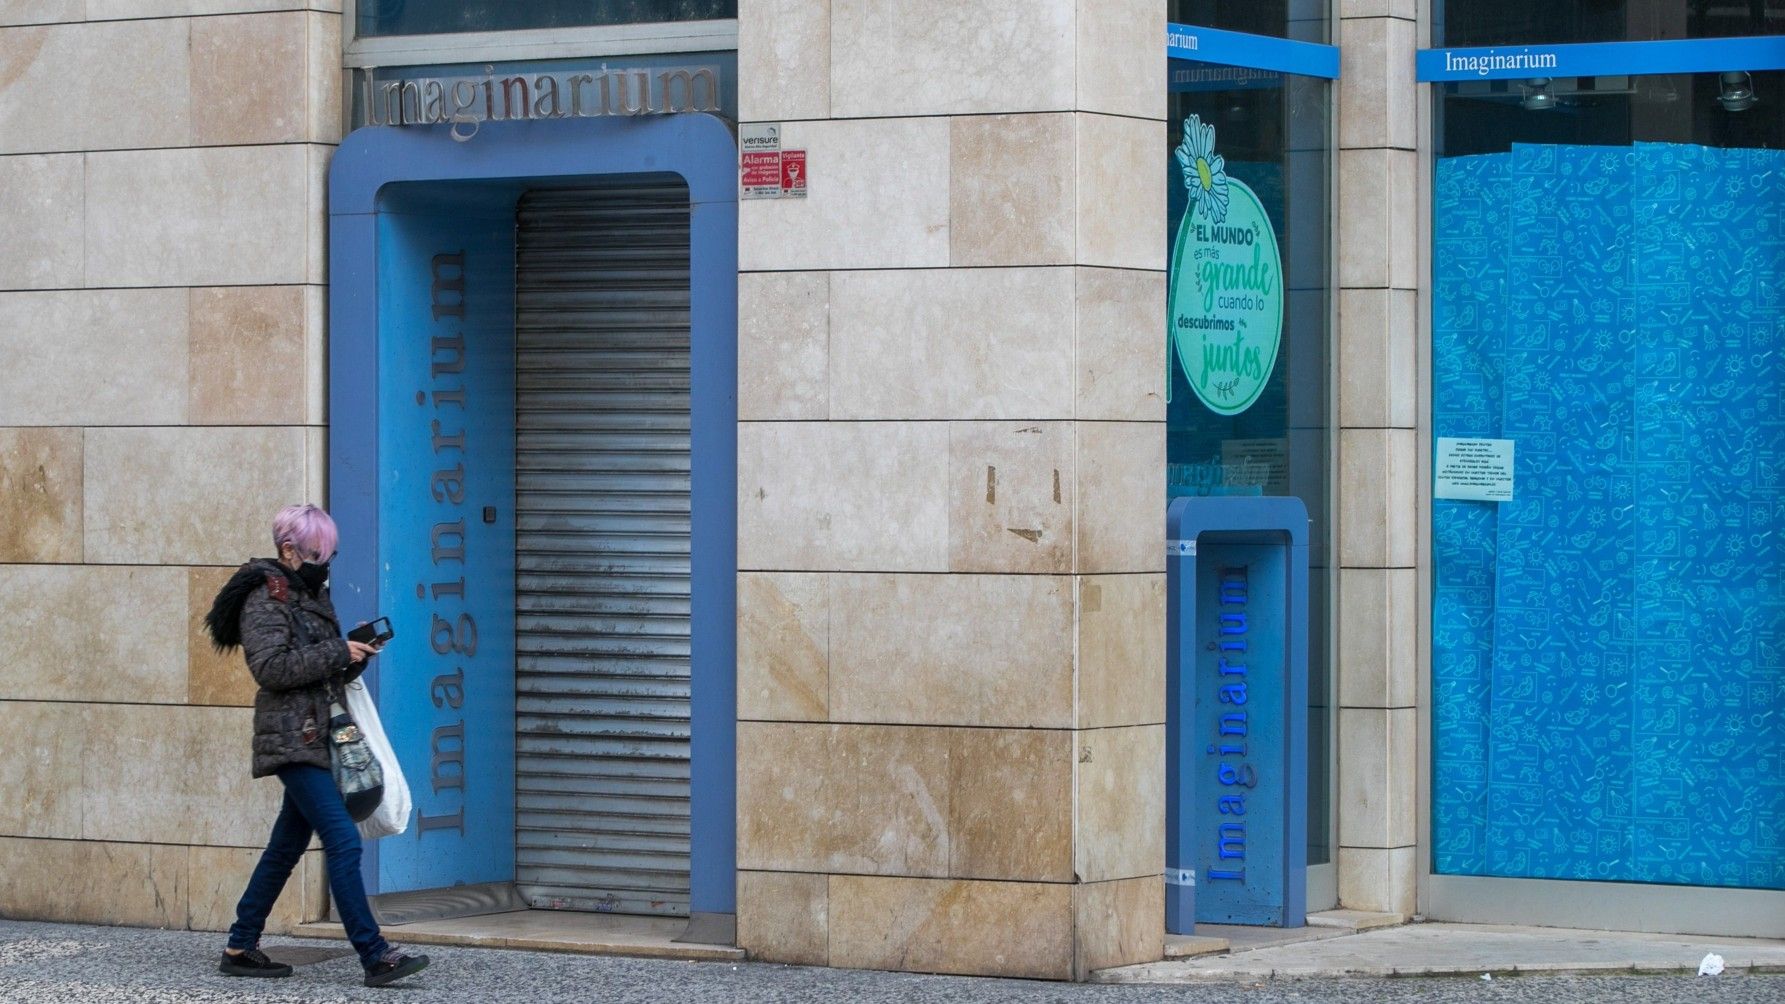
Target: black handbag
<point x="357" y="774"/>
<point x="356" y="770"/>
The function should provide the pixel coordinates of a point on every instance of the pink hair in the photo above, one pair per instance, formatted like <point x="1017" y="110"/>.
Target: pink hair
<point x="306" y="528"/>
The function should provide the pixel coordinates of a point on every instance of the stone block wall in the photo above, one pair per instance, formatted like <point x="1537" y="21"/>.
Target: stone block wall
<point x="951" y="600"/>
<point x="161" y="395"/>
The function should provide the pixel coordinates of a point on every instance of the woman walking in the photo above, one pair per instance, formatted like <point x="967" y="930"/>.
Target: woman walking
<point x="278" y="611"/>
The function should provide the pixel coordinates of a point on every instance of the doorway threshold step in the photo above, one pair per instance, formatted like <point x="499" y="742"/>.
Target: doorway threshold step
<point x="551" y="931"/>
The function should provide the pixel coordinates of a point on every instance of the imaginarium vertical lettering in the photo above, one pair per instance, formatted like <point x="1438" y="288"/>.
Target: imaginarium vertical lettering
<point x="452" y="631"/>
<point x="1234" y="775"/>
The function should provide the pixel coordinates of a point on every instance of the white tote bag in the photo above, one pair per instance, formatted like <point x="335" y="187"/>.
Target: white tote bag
<point x="392" y="814"/>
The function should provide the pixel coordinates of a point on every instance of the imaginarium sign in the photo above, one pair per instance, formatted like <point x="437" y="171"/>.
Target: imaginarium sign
<point x="466" y="102"/>
<point x="1225" y="316"/>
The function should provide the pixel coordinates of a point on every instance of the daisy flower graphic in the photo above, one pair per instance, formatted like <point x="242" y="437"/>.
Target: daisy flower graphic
<point x="1205" y="171"/>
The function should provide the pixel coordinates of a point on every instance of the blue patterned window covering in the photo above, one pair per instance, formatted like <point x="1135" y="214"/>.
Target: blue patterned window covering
<point x="1608" y="655"/>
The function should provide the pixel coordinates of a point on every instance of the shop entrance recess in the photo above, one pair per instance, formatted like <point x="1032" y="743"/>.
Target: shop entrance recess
<point x="1249" y="472"/>
<point x="1236" y="712"/>
<point x="532" y="450"/>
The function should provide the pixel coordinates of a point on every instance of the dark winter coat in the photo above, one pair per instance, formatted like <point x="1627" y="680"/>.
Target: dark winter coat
<point x="292" y="642"/>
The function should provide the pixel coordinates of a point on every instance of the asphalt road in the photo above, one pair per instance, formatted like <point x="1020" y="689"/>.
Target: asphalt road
<point x="65" y="964"/>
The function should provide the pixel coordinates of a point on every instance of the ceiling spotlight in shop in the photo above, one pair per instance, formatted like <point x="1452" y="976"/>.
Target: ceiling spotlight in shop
<point x="1738" y="91"/>
<point x="1537" y="95"/>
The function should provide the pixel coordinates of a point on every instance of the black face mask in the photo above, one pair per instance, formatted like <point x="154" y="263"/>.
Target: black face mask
<point x="314" y="575"/>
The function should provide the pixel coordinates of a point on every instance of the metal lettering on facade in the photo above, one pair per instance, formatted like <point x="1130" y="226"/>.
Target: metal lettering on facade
<point x="466" y="102"/>
<point x="1234" y="775"/>
<point x="452" y="631"/>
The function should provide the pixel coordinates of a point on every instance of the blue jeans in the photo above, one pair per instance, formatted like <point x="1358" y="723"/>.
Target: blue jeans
<point x="312" y="804"/>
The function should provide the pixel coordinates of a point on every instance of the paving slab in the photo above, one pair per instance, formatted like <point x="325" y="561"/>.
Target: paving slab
<point x="1463" y="949"/>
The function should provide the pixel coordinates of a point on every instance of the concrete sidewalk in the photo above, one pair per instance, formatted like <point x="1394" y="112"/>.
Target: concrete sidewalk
<point x="1458" y="950"/>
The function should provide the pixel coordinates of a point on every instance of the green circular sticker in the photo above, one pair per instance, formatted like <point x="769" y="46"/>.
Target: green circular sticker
<point x="1226" y="314"/>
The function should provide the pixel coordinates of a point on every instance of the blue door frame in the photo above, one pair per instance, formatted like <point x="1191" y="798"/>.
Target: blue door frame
<point x="385" y="186"/>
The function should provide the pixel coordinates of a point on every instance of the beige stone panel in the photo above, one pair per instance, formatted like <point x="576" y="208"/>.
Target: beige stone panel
<point x="1119" y="69"/>
<point x="250" y="79"/>
<point x="1121" y="497"/>
<point x="784" y="60"/>
<point x="40" y="495"/>
<point x="1121" y="650"/>
<point x="1377" y="498"/>
<point x="212" y="677"/>
<point x="67" y="87"/>
<point x="1378" y="880"/>
<point x="40" y="769"/>
<point x="219" y="875"/>
<point x="784" y="917"/>
<point x="174" y="775"/>
<point x="188" y="496"/>
<point x="105" y="9"/>
<point x="878" y="199"/>
<point x="322" y="83"/>
<point x="316" y="356"/>
<point x="993" y="650"/>
<point x="1379" y="194"/>
<point x="1010" y="190"/>
<point x="784" y="335"/>
<point x="843" y="495"/>
<point x="990" y="343"/>
<point x="203" y="217"/>
<point x="1378" y="637"/>
<point x="783" y="647"/>
<point x="1119" y="820"/>
<point x="1378" y="358"/>
<point x="45" y="206"/>
<point x="316" y="162"/>
<point x="93" y="357"/>
<point x="1119" y="923"/>
<point x="1378" y="97"/>
<point x="41" y="11"/>
<point x="1120" y="192"/>
<point x="247" y="356"/>
<point x="1121" y="358"/>
<point x="315" y="464"/>
<point x="1405" y="9"/>
<point x="843" y="798"/>
<point x="1019" y="929"/>
<point x="1378" y="771"/>
<point x="1010" y="496"/>
<point x="88" y="882"/>
<point x="956" y="58"/>
<point x="90" y="633"/>
<point x="1010" y="814"/>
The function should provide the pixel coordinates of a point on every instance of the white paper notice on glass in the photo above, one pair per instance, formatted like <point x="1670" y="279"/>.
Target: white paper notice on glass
<point x="1474" y="470"/>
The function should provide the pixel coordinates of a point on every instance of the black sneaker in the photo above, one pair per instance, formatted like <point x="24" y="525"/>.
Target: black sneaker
<point x="392" y="966"/>
<point x="252" y="962"/>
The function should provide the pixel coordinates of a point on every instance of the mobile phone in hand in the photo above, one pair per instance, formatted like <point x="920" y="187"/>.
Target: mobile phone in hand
<point x="373" y="633"/>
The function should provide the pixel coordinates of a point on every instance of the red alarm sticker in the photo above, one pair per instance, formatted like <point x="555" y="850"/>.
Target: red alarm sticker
<point x="793" y="173"/>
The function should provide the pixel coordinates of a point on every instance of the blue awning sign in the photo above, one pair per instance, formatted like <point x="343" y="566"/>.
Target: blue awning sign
<point x="1600" y="59"/>
<point x="1258" y="52"/>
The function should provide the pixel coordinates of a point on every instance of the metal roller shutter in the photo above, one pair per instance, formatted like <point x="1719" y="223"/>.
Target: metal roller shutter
<point x="602" y="549"/>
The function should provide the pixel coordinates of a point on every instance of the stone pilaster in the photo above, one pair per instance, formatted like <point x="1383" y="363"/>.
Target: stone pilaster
<point x="951" y="596"/>
<point x="1379" y="193"/>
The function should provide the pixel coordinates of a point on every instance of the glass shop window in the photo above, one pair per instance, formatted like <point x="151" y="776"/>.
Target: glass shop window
<point x="427" y="17"/>
<point x="1301" y="20"/>
<point x="1248" y="228"/>
<point x="1608" y="328"/>
<point x="1465" y="23"/>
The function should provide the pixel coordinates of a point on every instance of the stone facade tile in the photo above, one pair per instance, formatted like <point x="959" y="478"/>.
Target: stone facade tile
<point x="40" y="495"/>
<point x="1019" y="929"/>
